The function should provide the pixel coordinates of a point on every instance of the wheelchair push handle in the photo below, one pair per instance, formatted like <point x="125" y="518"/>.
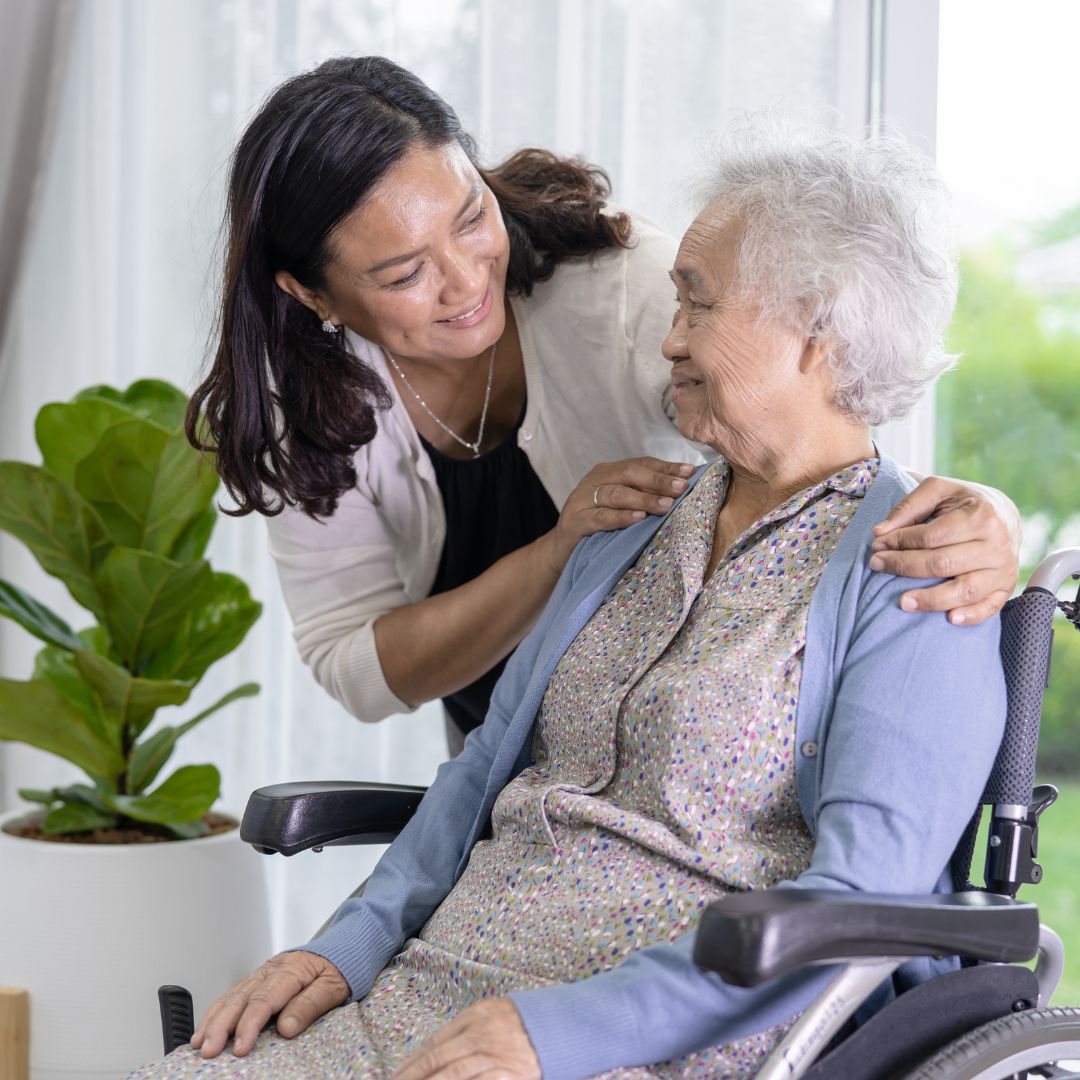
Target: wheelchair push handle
<point x="1054" y="571"/>
<point x="1027" y="634"/>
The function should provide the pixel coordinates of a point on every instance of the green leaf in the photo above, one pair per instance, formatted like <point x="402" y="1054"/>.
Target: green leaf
<point x="147" y="597"/>
<point x="184" y="797"/>
<point x="153" y="399"/>
<point x="75" y="817"/>
<point x="67" y="432"/>
<point x="100" y="390"/>
<point x="149" y="756"/>
<point x="62" y="530"/>
<point x="249" y="689"/>
<point x="209" y="631"/>
<point x="36" y="617"/>
<point x="146" y="484"/>
<point x="192" y="542"/>
<point x="84" y="795"/>
<point x="96" y="638"/>
<point x="36" y="714"/>
<point x="46" y="798"/>
<point x="57" y="667"/>
<point x="132" y="700"/>
<point x="189" y="831"/>
<point x="157" y="400"/>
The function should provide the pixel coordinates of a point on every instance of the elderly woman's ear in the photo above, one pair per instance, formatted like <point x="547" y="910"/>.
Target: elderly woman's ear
<point x="817" y="352"/>
<point x="814" y="365"/>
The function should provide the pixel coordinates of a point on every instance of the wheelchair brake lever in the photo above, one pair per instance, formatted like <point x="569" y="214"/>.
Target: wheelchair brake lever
<point x="1043" y="797"/>
<point x="1071" y="608"/>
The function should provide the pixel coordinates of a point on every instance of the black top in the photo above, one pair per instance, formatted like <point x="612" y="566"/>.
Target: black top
<point x="494" y="505"/>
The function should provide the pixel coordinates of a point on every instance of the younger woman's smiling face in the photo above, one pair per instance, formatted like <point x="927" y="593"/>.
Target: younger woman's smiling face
<point x="420" y="266"/>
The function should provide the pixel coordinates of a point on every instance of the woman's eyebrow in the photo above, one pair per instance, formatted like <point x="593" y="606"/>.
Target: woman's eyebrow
<point x="469" y="200"/>
<point x="685" y="275"/>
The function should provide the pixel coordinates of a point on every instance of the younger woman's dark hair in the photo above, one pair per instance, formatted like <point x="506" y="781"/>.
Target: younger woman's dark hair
<point x="286" y="406"/>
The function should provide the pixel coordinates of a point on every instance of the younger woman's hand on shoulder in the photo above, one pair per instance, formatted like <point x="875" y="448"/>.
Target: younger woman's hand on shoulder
<point x="973" y="540"/>
<point x="614" y="495"/>
<point x="298" y="986"/>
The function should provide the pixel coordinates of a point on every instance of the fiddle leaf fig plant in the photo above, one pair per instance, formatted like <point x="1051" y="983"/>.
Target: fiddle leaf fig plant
<point x="121" y="511"/>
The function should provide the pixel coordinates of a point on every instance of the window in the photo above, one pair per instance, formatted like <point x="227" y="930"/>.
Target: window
<point x="1009" y="415"/>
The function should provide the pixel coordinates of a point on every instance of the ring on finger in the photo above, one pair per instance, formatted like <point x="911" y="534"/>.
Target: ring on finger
<point x="595" y="499"/>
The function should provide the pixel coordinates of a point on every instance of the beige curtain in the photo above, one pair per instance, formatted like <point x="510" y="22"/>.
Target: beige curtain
<point x="33" y="53"/>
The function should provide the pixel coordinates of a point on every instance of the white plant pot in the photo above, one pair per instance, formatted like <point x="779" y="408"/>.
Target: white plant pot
<point x="91" y="931"/>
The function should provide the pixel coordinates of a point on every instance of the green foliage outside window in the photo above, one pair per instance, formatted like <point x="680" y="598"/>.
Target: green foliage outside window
<point x="1009" y="415"/>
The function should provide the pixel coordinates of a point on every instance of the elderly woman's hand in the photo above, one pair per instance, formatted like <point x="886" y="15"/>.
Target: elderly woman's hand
<point x="973" y="539"/>
<point x="613" y="496"/>
<point x="486" y="1039"/>
<point x="298" y="986"/>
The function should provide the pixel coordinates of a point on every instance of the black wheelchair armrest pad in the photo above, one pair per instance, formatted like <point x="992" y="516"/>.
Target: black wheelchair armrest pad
<point x="750" y="937"/>
<point x="288" y="818"/>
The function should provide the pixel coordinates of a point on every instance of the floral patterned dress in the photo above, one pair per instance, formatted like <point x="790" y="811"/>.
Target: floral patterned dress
<point x="663" y="779"/>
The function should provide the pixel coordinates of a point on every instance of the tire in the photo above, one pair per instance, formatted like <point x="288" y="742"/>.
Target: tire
<point x="1008" y="1046"/>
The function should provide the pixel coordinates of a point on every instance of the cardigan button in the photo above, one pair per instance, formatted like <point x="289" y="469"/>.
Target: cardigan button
<point x="809" y="749"/>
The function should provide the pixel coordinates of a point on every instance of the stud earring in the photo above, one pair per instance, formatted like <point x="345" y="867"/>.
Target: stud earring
<point x="329" y="327"/>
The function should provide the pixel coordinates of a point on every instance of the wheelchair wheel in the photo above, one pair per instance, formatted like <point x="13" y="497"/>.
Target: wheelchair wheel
<point x="1026" y="1046"/>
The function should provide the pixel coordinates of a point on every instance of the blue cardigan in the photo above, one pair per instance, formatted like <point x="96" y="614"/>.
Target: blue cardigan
<point x="898" y="722"/>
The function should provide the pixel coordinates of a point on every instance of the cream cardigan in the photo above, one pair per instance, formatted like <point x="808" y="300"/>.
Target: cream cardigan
<point x="597" y="390"/>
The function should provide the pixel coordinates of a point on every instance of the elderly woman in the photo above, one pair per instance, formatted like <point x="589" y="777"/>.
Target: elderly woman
<point x="728" y="699"/>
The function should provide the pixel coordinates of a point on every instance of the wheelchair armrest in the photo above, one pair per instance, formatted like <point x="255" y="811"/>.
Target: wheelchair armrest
<point x="750" y="937"/>
<point x="288" y="818"/>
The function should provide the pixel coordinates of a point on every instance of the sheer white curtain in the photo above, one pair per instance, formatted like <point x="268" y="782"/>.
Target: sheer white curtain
<point x="33" y="53"/>
<point x="119" y="277"/>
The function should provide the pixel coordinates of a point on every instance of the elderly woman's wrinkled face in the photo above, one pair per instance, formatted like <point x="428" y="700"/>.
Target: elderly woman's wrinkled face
<point x="736" y="381"/>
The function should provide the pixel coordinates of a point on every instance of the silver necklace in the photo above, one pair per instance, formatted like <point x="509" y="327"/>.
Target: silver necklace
<point x="474" y="447"/>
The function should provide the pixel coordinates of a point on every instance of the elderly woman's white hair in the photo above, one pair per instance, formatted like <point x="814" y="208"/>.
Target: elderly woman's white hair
<point x="851" y="240"/>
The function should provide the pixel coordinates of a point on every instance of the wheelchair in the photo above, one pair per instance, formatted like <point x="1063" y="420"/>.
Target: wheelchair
<point x="989" y="1020"/>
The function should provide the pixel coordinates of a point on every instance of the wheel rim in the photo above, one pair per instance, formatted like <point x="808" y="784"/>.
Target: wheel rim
<point x="1066" y="1054"/>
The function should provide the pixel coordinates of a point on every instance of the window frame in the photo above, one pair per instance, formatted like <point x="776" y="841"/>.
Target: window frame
<point x="902" y="90"/>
